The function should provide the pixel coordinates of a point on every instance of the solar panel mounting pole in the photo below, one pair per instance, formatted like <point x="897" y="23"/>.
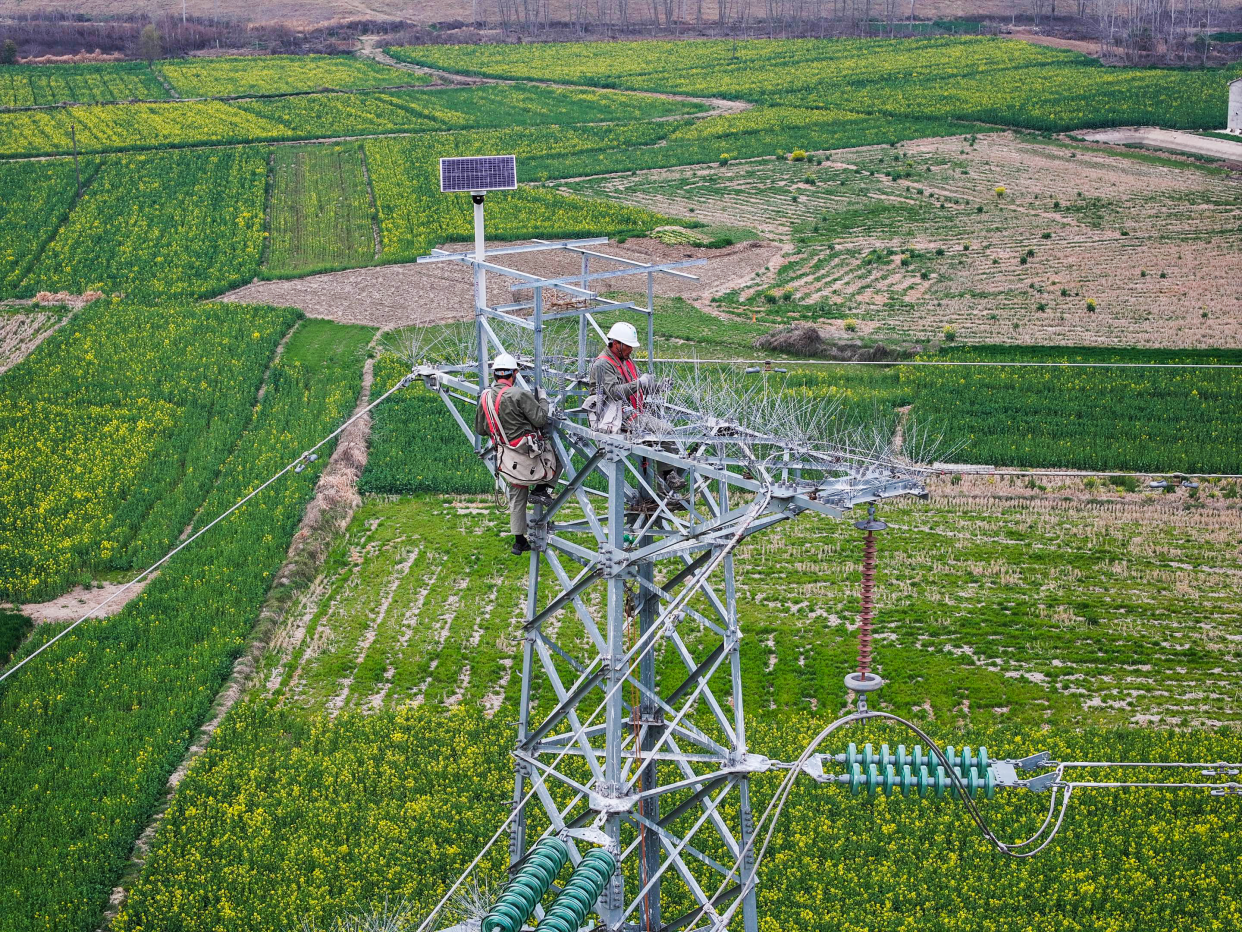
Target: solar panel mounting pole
<point x="480" y="292"/>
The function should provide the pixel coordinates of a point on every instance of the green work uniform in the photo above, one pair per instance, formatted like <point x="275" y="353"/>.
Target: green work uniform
<point x="520" y="413"/>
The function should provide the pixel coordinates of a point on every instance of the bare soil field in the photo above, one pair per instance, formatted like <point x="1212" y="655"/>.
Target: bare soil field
<point x="83" y="599"/>
<point x="1006" y="240"/>
<point x="401" y="295"/>
<point x="21" y="332"/>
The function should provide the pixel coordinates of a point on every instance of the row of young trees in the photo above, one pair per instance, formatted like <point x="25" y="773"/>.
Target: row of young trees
<point x="1168" y="30"/>
<point x="1174" y="31"/>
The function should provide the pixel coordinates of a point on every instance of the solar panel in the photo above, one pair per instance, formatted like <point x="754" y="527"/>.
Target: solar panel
<point x="479" y="173"/>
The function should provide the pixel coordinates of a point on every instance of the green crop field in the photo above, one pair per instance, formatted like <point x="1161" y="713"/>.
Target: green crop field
<point x="988" y="79"/>
<point x="310" y="116"/>
<point x="321" y="211"/>
<point x="107" y="455"/>
<point x="278" y="74"/>
<point x="116" y="238"/>
<point x="27" y="223"/>
<point x="45" y="85"/>
<point x="909" y="197"/>
<point x="425" y="621"/>
<point x="116" y="702"/>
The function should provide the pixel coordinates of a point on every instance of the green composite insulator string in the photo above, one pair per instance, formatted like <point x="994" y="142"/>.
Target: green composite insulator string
<point x="585" y="884"/>
<point x="520" y="895"/>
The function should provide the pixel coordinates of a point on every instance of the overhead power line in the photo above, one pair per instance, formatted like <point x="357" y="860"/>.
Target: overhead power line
<point x="954" y="362"/>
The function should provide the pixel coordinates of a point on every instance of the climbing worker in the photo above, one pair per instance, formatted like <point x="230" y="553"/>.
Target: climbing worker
<point x="513" y="419"/>
<point x="620" y="397"/>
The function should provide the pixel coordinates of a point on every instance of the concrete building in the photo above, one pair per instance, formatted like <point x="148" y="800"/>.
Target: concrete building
<point x="1235" y="106"/>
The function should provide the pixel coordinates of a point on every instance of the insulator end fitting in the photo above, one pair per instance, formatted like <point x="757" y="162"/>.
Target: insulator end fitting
<point x="863" y="683"/>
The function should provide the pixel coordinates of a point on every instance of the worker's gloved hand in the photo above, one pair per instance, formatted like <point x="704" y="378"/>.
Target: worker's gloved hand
<point x="645" y="382"/>
<point x="557" y="413"/>
<point x="540" y="394"/>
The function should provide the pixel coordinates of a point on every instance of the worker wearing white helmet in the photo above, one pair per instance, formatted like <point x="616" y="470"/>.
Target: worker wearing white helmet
<point x="617" y="383"/>
<point x="513" y="419"/>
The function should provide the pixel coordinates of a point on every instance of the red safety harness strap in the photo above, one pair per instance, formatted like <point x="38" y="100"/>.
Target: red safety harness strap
<point x="628" y="371"/>
<point x="491" y="414"/>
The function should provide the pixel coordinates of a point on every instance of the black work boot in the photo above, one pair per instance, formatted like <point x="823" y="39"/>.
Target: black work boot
<point x="542" y="494"/>
<point x="520" y="545"/>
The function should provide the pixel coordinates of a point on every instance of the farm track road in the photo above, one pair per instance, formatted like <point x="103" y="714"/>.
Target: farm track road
<point x="1154" y="137"/>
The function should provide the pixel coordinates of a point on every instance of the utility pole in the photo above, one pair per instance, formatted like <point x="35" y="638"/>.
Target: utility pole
<point x="73" y="135"/>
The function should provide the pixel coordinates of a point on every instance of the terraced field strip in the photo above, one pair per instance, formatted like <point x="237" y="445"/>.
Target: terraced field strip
<point x="1003" y="239"/>
<point x="49" y="85"/>
<point x="272" y="75"/>
<point x="321" y="211"/>
<point x="403" y="614"/>
<point x="999" y="602"/>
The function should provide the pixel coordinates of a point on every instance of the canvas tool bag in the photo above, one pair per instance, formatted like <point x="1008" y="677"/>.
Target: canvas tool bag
<point x="526" y="460"/>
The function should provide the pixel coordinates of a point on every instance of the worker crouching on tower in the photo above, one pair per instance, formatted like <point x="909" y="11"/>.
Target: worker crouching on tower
<point x="618" y="397"/>
<point x="513" y="419"/>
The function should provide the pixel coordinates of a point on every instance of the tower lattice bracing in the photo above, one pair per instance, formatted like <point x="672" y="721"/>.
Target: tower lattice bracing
<point x="631" y="731"/>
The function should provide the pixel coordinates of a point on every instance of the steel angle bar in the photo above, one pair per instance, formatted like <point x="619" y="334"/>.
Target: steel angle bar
<point x="558" y="741"/>
<point x="723" y="830"/>
<point x="548" y="747"/>
<point x="575" y="550"/>
<point x="687" y="730"/>
<point x="724" y="523"/>
<point x="584" y="581"/>
<point x="558" y="713"/>
<point x="571" y="527"/>
<point x="704" y="671"/>
<point x="492" y="338"/>
<point x="675" y="726"/>
<point x="673" y="858"/>
<point x="575" y="480"/>
<point x="549" y="669"/>
<point x="461" y="421"/>
<point x="551" y="772"/>
<point x="720" y="537"/>
<point x="575" y="664"/>
<point x="540" y="245"/>
<point x="603" y="307"/>
<point x="590" y="319"/>
<point x="623" y="261"/>
<point x="705" y="783"/>
<point x="524" y="322"/>
<point x="724" y="896"/>
<point x="584" y="614"/>
<point x="559" y="283"/>
<point x="696" y="672"/>
<point x="682" y="842"/>
<point x="516" y="306"/>
<point x="661" y="508"/>
<point x="444" y="380"/>
<point x="579" y="490"/>
<point x="692" y="612"/>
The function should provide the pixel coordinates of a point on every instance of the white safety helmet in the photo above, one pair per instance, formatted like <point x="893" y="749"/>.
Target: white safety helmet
<point x="504" y="363"/>
<point x="623" y="332"/>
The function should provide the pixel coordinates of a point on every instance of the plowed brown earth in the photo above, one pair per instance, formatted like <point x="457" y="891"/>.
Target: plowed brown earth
<point x="401" y="295"/>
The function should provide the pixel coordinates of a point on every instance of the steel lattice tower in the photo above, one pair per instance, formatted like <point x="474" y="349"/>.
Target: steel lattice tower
<point x="657" y="786"/>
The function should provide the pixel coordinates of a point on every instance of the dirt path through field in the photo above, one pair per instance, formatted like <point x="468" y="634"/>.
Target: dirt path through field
<point x="1169" y="139"/>
<point x="371" y="49"/>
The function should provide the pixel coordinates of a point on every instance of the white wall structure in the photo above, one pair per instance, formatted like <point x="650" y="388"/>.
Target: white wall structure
<point x="1235" y="106"/>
